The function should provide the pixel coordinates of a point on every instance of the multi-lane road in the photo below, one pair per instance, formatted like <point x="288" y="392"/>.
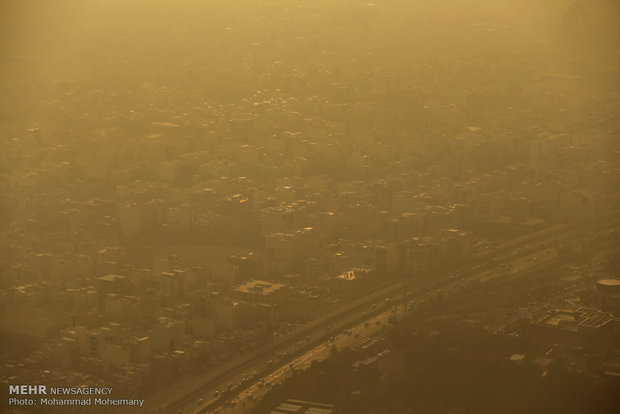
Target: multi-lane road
<point x="360" y="335"/>
<point x="309" y="341"/>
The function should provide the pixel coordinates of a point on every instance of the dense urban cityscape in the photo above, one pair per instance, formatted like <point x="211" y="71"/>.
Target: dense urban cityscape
<point x="310" y="207"/>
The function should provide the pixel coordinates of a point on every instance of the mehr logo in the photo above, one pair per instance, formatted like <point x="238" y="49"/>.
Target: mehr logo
<point x="27" y="389"/>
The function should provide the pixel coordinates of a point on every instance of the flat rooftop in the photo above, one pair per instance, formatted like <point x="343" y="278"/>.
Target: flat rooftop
<point x="303" y="407"/>
<point x="259" y="287"/>
<point x="112" y="278"/>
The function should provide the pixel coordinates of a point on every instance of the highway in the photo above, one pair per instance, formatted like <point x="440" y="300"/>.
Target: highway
<point x="198" y="394"/>
<point x="367" y="329"/>
<point x="361" y="335"/>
